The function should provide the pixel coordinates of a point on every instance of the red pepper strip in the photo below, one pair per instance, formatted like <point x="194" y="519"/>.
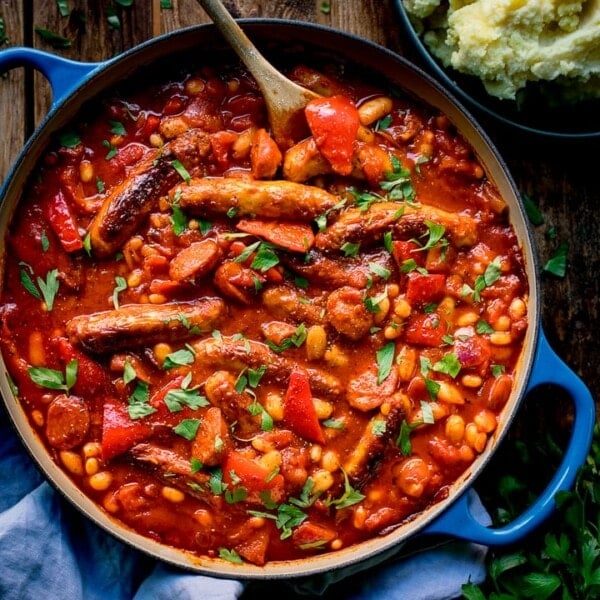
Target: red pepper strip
<point x="119" y="431"/>
<point x="426" y="330"/>
<point x="296" y="237"/>
<point x="91" y="377"/>
<point x="63" y="224"/>
<point x="298" y="409"/>
<point x="334" y="123"/>
<point x="423" y="289"/>
<point x="404" y="251"/>
<point x="241" y="470"/>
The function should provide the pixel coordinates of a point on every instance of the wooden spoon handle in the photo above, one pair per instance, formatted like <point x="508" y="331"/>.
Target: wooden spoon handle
<point x="265" y="74"/>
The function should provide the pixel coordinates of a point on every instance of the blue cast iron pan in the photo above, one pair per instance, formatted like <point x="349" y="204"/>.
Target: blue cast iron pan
<point x="73" y="84"/>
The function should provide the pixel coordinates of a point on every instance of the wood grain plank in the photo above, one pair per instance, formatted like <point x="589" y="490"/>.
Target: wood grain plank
<point x="96" y="31"/>
<point x="13" y="113"/>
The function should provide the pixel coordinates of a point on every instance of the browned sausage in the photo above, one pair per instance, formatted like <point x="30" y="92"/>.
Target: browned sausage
<point x="372" y="443"/>
<point x="356" y="225"/>
<point x="347" y="313"/>
<point x="286" y="302"/>
<point x="67" y="422"/>
<point x="212" y="438"/>
<point x="136" y="325"/>
<point x="131" y="201"/>
<point x="271" y="199"/>
<point x="220" y="390"/>
<point x="237" y="354"/>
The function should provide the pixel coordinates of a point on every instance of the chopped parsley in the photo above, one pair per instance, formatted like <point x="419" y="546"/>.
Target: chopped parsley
<point x="385" y="359"/>
<point x="54" y="379"/>
<point x="397" y="182"/>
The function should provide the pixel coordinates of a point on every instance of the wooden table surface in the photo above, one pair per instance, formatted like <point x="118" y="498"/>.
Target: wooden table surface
<point x="556" y="175"/>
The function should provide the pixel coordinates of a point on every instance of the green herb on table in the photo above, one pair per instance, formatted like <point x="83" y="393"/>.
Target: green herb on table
<point x="557" y="264"/>
<point x="3" y="38"/>
<point x="63" y="8"/>
<point x="534" y="214"/>
<point x="54" y="39"/>
<point x="563" y="560"/>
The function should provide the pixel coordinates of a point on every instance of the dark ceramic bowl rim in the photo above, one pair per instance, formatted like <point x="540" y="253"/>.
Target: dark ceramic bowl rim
<point x="442" y="75"/>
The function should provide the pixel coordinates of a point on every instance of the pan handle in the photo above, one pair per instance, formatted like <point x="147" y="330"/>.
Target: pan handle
<point x="458" y="520"/>
<point x="63" y="74"/>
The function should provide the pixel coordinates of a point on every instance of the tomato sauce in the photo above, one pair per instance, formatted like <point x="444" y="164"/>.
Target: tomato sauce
<point x="254" y="351"/>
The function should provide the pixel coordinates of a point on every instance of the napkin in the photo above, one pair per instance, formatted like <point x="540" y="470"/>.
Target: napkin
<point x="49" y="550"/>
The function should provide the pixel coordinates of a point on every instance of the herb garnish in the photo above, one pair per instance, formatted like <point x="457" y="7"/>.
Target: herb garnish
<point x="385" y="359"/>
<point x="53" y="379"/>
<point x="48" y="288"/>
<point x="54" y="39"/>
<point x="397" y="182"/>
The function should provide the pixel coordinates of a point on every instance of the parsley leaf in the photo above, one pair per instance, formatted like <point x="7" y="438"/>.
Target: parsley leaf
<point x="385" y="359"/>
<point x="54" y="379"/>
<point x="557" y="265"/>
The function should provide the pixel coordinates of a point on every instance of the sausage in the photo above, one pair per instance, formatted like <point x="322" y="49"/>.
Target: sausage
<point x="212" y="438"/>
<point x="285" y="302"/>
<point x="356" y="225"/>
<point x="128" y="204"/>
<point x="220" y="390"/>
<point x="67" y="422"/>
<point x="136" y="325"/>
<point x="347" y="313"/>
<point x="238" y="354"/>
<point x="271" y="199"/>
<point x="176" y="471"/>
<point x="358" y="464"/>
<point x="335" y="273"/>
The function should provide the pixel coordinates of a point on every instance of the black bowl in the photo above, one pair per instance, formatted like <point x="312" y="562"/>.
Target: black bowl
<point x="534" y="113"/>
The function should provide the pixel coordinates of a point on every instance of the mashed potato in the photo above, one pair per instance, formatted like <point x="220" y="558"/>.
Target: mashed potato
<point x="507" y="43"/>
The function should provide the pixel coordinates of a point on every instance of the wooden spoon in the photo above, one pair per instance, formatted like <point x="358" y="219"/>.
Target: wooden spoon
<point x="285" y="99"/>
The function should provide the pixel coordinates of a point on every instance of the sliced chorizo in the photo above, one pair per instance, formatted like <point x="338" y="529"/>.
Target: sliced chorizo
<point x="67" y="422"/>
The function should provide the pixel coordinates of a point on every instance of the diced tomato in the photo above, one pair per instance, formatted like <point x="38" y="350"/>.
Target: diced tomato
<point x="174" y="105"/>
<point x="63" y="224"/>
<point x="149" y="123"/>
<point x="334" y="123"/>
<point x="221" y="143"/>
<point x="91" y="376"/>
<point x="119" y="431"/>
<point x="296" y="237"/>
<point x="239" y="470"/>
<point x="403" y="251"/>
<point x="157" y="400"/>
<point x="254" y="547"/>
<point x="298" y="409"/>
<point x="311" y="535"/>
<point x="473" y="351"/>
<point x="425" y="330"/>
<point x="129" y="155"/>
<point x="425" y="288"/>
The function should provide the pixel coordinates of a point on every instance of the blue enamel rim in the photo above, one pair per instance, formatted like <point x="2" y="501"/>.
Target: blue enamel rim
<point x="73" y="83"/>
